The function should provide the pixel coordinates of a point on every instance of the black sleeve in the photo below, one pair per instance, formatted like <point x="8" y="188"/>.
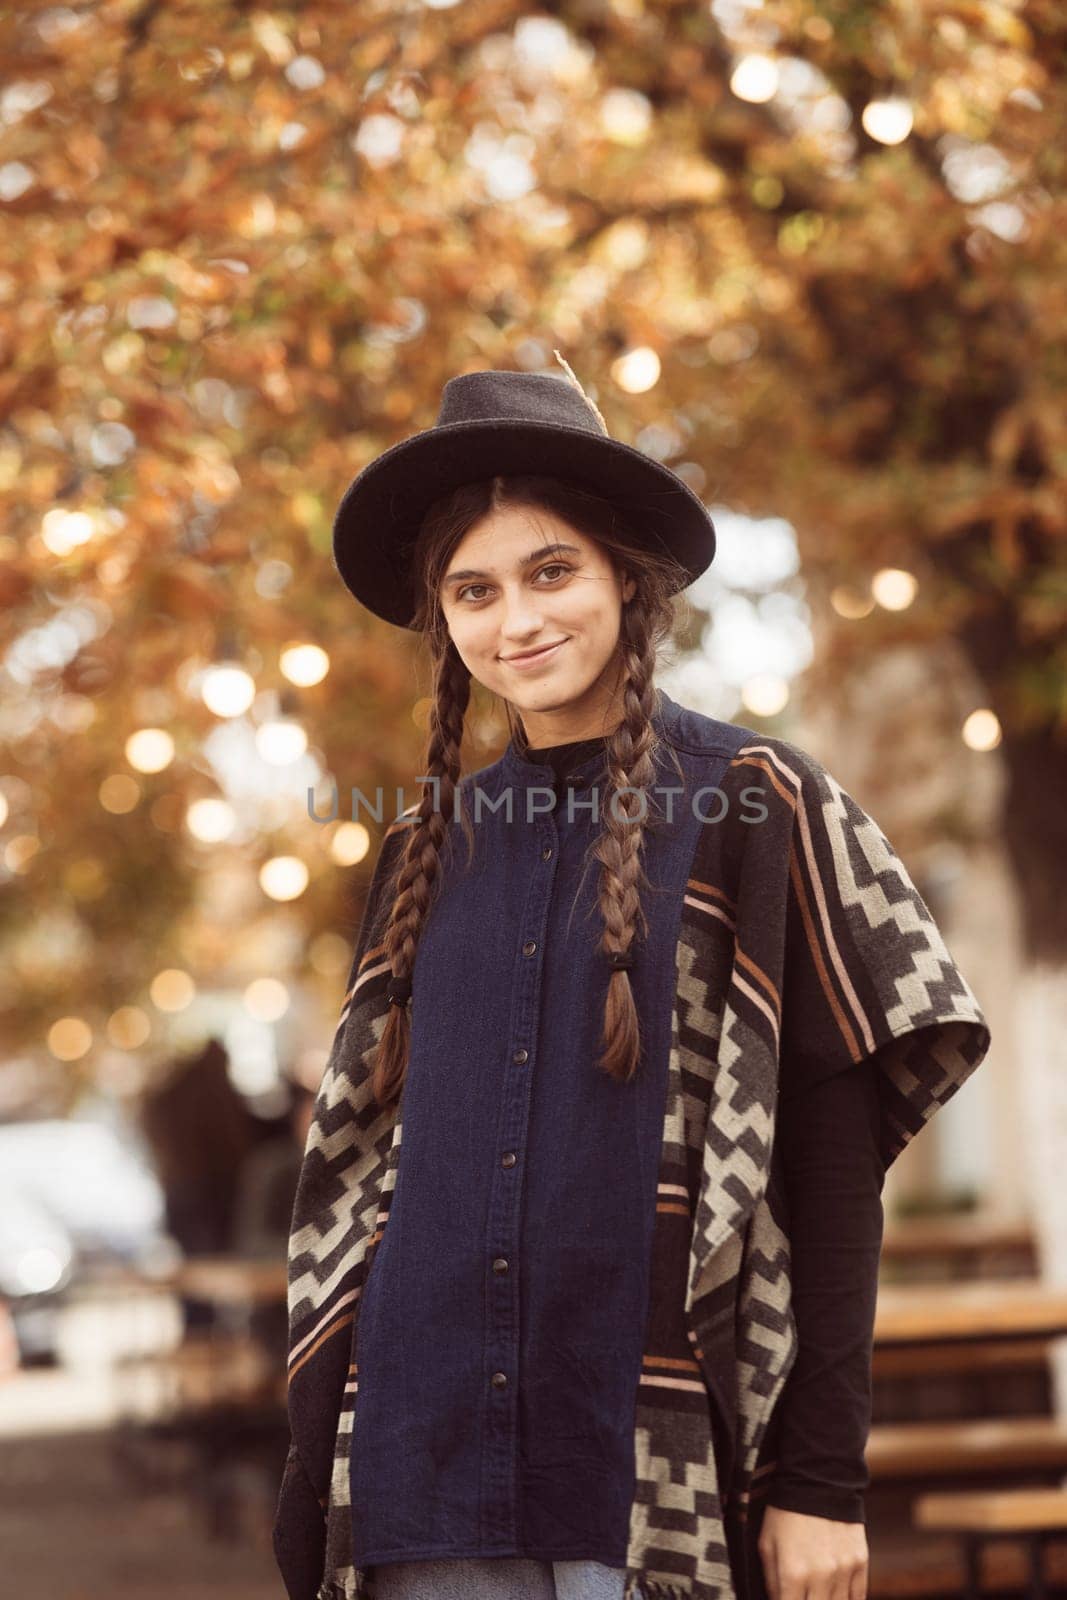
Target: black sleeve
<point x="834" y="1177"/>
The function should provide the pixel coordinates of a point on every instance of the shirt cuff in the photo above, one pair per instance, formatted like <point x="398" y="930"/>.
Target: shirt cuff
<point x="840" y="1505"/>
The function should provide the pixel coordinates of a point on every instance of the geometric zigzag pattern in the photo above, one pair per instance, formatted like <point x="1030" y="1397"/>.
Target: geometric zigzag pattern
<point x="813" y="902"/>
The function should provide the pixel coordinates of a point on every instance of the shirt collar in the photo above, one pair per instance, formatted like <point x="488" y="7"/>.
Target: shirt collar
<point x="518" y="770"/>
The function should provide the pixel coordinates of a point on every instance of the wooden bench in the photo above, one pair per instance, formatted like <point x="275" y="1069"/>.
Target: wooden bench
<point x="919" y="1564"/>
<point x="924" y="1360"/>
<point x="203" y="1372"/>
<point x="985" y="1311"/>
<point x="1036" y="1516"/>
<point x="967" y="1448"/>
<point x="199" y="1416"/>
<point x="946" y="1382"/>
<point x="975" y="1244"/>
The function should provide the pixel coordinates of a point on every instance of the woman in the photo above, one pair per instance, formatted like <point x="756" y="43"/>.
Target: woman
<point x="647" y="1051"/>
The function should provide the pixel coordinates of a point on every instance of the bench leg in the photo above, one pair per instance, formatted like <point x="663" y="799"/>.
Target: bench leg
<point x="1036" y="1548"/>
<point x="972" y="1561"/>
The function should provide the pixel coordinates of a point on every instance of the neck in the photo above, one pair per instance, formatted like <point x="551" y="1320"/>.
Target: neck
<point x="541" y="737"/>
<point x="584" y="718"/>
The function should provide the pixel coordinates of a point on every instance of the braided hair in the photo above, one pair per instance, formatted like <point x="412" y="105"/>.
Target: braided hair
<point x="647" y="622"/>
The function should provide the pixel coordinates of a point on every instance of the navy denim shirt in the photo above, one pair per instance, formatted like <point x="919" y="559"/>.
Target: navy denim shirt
<point x="503" y="1320"/>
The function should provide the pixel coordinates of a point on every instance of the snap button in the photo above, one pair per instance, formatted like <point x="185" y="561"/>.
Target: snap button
<point x="509" y="1159"/>
<point x="520" y="1056"/>
<point x="546" y="853"/>
<point x="500" y="1265"/>
<point x="529" y="947"/>
<point x="499" y="1380"/>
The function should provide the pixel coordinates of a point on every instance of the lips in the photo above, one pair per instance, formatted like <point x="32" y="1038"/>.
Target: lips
<point x="535" y="656"/>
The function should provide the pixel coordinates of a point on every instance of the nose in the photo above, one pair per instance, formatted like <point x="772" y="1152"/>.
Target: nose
<point x="522" y="617"/>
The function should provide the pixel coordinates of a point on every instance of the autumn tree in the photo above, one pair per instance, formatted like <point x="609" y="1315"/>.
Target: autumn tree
<point x="245" y="248"/>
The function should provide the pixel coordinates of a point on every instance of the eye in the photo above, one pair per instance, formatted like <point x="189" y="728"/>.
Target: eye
<point x="552" y="566"/>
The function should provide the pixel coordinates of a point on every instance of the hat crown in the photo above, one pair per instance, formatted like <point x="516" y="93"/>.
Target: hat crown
<point x="507" y="424"/>
<point x="517" y="397"/>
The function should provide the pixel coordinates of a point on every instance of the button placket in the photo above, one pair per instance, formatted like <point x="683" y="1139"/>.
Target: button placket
<point x="500" y="1511"/>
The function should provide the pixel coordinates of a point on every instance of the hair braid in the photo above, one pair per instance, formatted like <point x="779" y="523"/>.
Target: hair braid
<point x="630" y="774"/>
<point x="419" y="870"/>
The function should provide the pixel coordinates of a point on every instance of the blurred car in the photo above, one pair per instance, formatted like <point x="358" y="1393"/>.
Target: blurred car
<point x="75" y="1197"/>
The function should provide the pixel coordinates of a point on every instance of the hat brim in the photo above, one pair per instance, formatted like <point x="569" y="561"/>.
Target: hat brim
<point x="380" y="514"/>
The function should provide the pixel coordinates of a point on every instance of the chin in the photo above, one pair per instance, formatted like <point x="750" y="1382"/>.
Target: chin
<point x="546" y="696"/>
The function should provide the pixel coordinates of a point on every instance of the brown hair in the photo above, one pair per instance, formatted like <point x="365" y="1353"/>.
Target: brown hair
<point x="647" y="621"/>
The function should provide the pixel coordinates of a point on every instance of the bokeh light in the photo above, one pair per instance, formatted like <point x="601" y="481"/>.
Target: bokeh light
<point x="349" y="843"/>
<point x="283" y="877"/>
<point x="70" y="1038"/>
<point x="637" y="371"/>
<point x="281" y="743"/>
<point x="304" y="664"/>
<point x="266" y="999"/>
<point x="172" y="989"/>
<point x="893" y="588"/>
<point x="150" y="749"/>
<point x="228" y="690"/>
<point x="755" y="78"/>
<point x="765" y="694"/>
<point x="210" y="820"/>
<point x="119" y="793"/>
<point x="981" y="730"/>
<point x="129" y="1027"/>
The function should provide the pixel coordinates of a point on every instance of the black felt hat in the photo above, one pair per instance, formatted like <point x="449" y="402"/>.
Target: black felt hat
<point x="505" y="422"/>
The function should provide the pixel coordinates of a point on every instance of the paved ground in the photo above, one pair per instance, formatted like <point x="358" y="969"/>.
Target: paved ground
<point x="92" y="1507"/>
<point x="76" y="1525"/>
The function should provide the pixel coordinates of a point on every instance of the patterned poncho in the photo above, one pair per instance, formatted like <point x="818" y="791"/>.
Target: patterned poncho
<point x="804" y="947"/>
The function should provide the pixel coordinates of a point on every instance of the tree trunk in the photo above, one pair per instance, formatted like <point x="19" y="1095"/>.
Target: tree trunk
<point x="1042" y="1040"/>
<point x="1035" y="837"/>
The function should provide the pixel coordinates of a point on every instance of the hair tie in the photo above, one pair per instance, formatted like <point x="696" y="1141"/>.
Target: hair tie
<point x="620" y="960"/>
<point x="399" y="991"/>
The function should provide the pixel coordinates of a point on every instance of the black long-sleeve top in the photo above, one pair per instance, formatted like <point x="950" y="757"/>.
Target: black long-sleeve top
<point x="834" y="1179"/>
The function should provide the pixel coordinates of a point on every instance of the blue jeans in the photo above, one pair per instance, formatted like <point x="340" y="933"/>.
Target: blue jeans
<point x="498" y="1578"/>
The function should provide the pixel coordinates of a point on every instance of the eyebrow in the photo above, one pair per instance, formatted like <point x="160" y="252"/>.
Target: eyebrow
<point x="535" y="555"/>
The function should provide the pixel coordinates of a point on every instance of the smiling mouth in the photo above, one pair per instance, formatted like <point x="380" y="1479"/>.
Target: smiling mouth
<point x="533" y="655"/>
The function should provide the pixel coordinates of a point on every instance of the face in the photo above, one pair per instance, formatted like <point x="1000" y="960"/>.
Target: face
<point x="521" y="580"/>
